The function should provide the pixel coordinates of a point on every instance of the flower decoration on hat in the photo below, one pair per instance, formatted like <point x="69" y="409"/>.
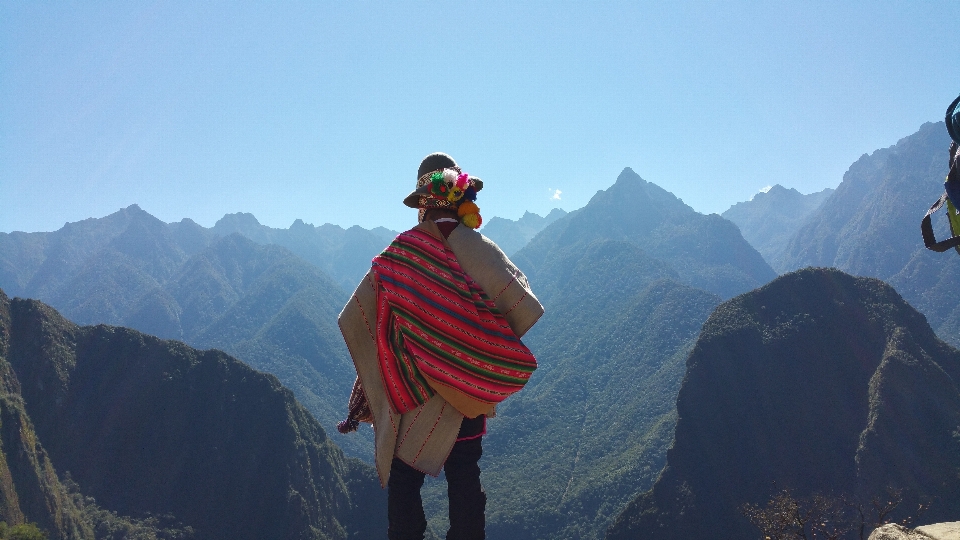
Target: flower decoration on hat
<point x="453" y="188"/>
<point x="449" y="184"/>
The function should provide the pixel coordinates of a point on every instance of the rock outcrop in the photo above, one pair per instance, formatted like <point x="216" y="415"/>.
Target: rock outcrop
<point x="819" y="382"/>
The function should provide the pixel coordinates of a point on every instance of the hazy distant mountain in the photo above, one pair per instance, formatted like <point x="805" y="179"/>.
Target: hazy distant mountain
<point x="817" y="382"/>
<point x="344" y="254"/>
<point x="152" y="426"/>
<point x="261" y="303"/>
<point x="770" y="219"/>
<point x="66" y="268"/>
<point x="512" y="235"/>
<point x="707" y="252"/>
<point x="871" y="227"/>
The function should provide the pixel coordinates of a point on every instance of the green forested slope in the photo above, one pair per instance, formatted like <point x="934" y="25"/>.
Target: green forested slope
<point x="152" y="426"/>
<point x="592" y="427"/>
<point x="817" y="382"/>
<point x="30" y="490"/>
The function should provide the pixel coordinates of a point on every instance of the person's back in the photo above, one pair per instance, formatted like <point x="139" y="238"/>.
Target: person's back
<point x="434" y="331"/>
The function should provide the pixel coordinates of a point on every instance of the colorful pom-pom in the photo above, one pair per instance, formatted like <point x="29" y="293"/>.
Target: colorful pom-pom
<point x="455" y="194"/>
<point x="463" y="180"/>
<point x="472" y="220"/>
<point x="467" y="208"/>
<point x="437" y="186"/>
<point x="470" y="194"/>
<point x="450" y="176"/>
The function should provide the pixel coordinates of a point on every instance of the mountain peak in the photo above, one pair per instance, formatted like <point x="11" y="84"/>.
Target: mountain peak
<point x="628" y="175"/>
<point x="237" y="220"/>
<point x="777" y="189"/>
<point x="300" y="224"/>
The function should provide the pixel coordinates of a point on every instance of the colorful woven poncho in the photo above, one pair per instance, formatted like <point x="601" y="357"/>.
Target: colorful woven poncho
<point x="438" y="331"/>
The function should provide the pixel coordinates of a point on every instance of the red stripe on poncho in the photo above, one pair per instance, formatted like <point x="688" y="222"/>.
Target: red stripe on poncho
<point x="433" y="320"/>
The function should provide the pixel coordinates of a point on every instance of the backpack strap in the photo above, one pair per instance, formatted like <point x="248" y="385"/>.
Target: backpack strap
<point x="926" y="229"/>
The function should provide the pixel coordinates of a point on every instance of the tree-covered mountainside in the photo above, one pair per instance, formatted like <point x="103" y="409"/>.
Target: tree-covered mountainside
<point x="770" y="219"/>
<point x="512" y="235"/>
<point x="871" y="227"/>
<point x="818" y="382"/>
<point x="707" y="252"/>
<point x="591" y="429"/>
<point x="30" y="490"/>
<point x="261" y="303"/>
<point x="148" y="426"/>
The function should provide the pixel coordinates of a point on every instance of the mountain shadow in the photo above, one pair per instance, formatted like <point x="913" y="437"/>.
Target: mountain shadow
<point x="148" y="426"/>
<point x="706" y="252"/>
<point x="770" y="219"/>
<point x="817" y="382"/>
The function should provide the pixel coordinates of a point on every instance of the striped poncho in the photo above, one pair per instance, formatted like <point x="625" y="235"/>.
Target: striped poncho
<point x="438" y="331"/>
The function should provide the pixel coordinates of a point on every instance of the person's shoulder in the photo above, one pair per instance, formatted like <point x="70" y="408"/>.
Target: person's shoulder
<point x="468" y="238"/>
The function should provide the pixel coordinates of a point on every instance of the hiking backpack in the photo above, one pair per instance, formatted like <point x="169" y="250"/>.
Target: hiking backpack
<point x="951" y="189"/>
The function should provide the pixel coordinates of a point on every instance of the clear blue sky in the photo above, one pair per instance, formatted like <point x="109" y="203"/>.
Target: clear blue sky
<point x="322" y="110"/>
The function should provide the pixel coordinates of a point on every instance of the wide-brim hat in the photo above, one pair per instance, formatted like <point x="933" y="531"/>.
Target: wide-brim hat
<point x="953" y="120"/>
<point x="435" y="162"/>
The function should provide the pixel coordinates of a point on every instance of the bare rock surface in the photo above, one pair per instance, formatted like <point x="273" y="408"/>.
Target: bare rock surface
<point x="892" y="531"/>
<point x="941" y="531"/>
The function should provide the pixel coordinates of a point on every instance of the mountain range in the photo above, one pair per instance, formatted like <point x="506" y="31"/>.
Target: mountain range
<point x="512" y="235"/>
<point x="628" y="370"/>
<point x="771" y="218"/>
<point x="343" y="254"/>
<point x="819" y="382"/>
<point x="870" y="227"/>
<point x="627" y="282"/>
<point x="261" y="303"/>
<point x="706" y="251"/>
<point x="101" y="422"/>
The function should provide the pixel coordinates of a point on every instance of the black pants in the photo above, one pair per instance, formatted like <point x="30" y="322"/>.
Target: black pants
<point x="467" y="499"/>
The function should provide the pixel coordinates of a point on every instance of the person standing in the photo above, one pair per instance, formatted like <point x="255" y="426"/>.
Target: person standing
<point x="434" y="332"/>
